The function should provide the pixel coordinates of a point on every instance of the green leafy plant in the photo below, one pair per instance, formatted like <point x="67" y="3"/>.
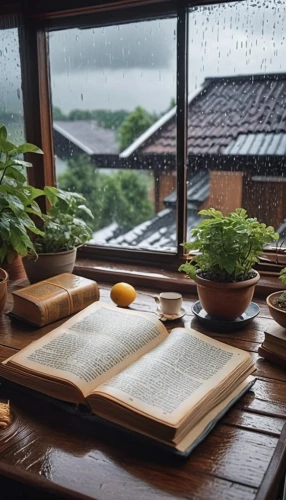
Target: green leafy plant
<point x="228" y="246"/>
<point x="280" y="302"/>
<point x="63" y="228"/>
<point x="282" y="276"/>
<point x="17" y="200"/>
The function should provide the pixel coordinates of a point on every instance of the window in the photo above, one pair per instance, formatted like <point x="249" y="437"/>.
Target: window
<point x="237" y="110"/>
<point x="159" y="112"/>
<point x="11" y="105"/>
<point x="113" y="90"/>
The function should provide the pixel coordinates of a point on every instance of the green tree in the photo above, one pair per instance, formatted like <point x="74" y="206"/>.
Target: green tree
<point x="133" y="126"/>
<point x="126" y="199"/>
<point x="58" y="114"/>
<point x="109" y="119"/>
<point x="81" y="176"/>
<point x="104" y="117"/>
<point x="120" y="197"/>
<point x="80" y="114"/>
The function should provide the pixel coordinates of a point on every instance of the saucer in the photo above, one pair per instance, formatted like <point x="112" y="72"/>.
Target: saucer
<point x="170" y="317"/>
<point x="222" y="325"/>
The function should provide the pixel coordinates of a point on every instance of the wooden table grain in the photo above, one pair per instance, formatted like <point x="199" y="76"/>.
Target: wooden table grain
<point x="48" y="453"/>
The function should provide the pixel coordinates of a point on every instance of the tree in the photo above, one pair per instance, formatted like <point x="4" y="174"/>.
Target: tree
<point x="82" y="177"/>
<point x="58" y="114"/>
<point x="120" y="197"/>
<point x="126" y="199"/>
<point x="133" y="126"/>
<point x="104" y="117"/>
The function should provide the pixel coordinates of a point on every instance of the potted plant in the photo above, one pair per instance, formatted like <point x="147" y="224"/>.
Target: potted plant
<point x="17" y="203"/>
<point x="63" y="232"/>
<point x="3" y="288"/>
<point x="228" y="247"/>
<point x="277" y="302"/>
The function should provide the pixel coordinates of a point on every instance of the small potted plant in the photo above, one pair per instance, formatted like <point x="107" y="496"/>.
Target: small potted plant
<point x="277" y="302"/>
<point x="228" y="247"/>
<point x="63" y="232"/>
<point x="17" y="204"/>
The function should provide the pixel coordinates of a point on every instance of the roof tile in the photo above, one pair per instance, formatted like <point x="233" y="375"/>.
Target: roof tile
<point x="224" y="109"/>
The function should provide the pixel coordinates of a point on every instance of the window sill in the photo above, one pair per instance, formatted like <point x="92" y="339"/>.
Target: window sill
<point x="160" y="279"/>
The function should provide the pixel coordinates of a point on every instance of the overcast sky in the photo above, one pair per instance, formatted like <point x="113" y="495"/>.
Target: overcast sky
<point x="121" y="67"/>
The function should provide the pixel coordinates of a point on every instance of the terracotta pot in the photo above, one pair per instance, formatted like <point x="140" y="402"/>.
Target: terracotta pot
<point x="226" y="301"/>
<point x="277" y="314"/>
<point x="15" y="270"/>
<point x="49" y="264"/>
<point x="3" y="288"/>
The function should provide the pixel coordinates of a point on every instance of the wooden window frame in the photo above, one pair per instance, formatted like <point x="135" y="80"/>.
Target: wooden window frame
<point x="37" y="99"/>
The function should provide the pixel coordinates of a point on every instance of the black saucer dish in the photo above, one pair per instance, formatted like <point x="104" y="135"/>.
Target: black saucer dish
<point x="225" y="326"/>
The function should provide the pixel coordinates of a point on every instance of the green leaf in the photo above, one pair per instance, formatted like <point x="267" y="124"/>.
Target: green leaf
<point x="15" y="174"/>
<point x="3" y="251"/>
<point x="14" y="203"/>
<point x="6" y="146"/>
<point x="34" y="192"/>
<point x="3" y="132"/>
<point x="23" y="163"/>
<point x="36" y="230"/>
<point x="29" y="148"/>
<point x="52" y="194"/>
<point x="86" y="210"/>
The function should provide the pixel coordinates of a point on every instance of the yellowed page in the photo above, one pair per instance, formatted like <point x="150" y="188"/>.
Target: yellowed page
<point x="198" y="430"/>
<point x="173" y="378"/>
<point x="93" y="345"/>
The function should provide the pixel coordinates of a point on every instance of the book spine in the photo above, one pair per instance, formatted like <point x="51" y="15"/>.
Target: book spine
<point x="84" y="296"/>
<point x="55" y="308"/>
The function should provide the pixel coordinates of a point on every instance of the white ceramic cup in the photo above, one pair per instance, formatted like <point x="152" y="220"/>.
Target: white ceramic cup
<point x="169" y="302"/>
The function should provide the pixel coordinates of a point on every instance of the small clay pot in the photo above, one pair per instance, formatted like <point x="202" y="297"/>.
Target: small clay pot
<point x="15" y="270"/>
<point x="277" y="314"/>
<point x="49" y="264"/>
<point x="3" y="288"/>
<point x="226" y="301"/>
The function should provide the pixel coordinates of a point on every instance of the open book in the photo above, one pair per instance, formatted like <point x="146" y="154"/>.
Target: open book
<point x="131" y="372"/>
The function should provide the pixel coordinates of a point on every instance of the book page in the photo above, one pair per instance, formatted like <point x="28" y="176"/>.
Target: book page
<point x="168" y="381"/>
<point x="94" y="345"/>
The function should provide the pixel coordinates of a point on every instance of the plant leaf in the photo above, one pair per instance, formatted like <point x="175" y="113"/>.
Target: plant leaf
<point x="23" y="163"/>
<point x="3" y="132"/>
<point x="14" y="173"/>
<point x="29" y="148"/>
<point x="6" y="146"/>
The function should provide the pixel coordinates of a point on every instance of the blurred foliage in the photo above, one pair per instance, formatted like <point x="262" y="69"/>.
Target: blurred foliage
<point x="133" y="126"/>
<point x="120" y="197"/>
<point x="104" y="117"/>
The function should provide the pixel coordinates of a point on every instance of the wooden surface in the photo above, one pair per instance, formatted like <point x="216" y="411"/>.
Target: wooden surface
<point x="52" y="453"/>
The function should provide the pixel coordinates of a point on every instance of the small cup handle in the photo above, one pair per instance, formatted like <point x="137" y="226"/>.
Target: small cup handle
<point x="157" y="299"/>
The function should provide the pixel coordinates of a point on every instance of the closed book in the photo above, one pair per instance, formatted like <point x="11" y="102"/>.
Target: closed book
<point x="273" y="357"/>
<point x="276" y="334"/>
<point x="53" y="299"/>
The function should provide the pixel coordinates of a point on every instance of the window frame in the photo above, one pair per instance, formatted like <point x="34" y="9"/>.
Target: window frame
<point x="37" y="97"/>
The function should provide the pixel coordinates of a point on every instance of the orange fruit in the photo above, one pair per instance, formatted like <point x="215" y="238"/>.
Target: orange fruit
<point x="122" y="294"/>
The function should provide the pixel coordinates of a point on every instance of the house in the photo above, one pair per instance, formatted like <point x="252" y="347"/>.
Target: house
<point x="236" y="144"/>
<point x="74" y="137"/>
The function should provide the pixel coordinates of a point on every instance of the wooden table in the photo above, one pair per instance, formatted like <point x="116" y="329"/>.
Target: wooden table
<point x="47" y="451"/>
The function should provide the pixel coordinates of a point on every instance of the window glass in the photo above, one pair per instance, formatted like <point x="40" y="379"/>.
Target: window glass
<point x="113" y="92"/>
<point x="11" y="104"/>
<point x="237" y="110"/>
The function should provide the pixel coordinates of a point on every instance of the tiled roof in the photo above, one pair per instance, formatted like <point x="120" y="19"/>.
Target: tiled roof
<point x="225" y="109"/>
<point x="159" y="233"/>
<point x="258" y="144"/>
<point x="88" y="136"/>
